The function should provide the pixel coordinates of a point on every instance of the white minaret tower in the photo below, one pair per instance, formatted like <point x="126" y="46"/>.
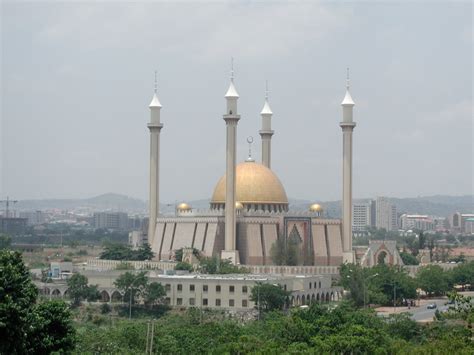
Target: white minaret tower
<point x="231" y="119"/>
<point x="266" y="132"/>
<point x="155" y="127"/>
<point x="347" y="126"/>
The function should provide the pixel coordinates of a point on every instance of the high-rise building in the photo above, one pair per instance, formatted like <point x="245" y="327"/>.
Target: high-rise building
<point x="385" y="214"/>
<point x="34" y="217"/>
<point x="111" y="220"/>
<point x="361" y="216"/>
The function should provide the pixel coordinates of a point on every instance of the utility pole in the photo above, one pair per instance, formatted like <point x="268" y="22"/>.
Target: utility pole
<point x="130" y="310"/>
<point x="394" y="296"/>
<point x="7" y="204"/>
<point x="152" y="334"/>
<point x="147" y="336"/>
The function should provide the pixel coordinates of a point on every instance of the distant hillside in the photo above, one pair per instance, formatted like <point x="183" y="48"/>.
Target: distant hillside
<point x="109" y="201"/>
<point x="438" y="205"/>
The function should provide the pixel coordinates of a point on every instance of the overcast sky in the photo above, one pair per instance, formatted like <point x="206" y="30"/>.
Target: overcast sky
<point x="77" y="79"/>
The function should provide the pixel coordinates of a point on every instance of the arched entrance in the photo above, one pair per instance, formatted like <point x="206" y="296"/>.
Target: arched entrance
<point x="116" y="297"/>
<point x="104" y="296"/>
<point x="382" y="257"/>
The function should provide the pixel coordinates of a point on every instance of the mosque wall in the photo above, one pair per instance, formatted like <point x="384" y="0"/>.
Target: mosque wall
<point x="320" y="239"/>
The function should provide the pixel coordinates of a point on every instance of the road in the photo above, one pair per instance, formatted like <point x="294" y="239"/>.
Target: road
<point x="423" y="314"/>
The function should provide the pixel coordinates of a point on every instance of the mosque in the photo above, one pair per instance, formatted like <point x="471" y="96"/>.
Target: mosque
<point x="249" y="210"/>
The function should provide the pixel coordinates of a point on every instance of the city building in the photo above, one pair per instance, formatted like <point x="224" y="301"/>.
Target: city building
<point x="111" y="220"/>
<point x="415" y="221"/>
<point x="385" y="214"/>
<point x="33" y="217"/>
<point x="361" y="217"/>
<point x="13" y="225"/>
<point x="457" y="222"/>
<point x="249" y="208"/>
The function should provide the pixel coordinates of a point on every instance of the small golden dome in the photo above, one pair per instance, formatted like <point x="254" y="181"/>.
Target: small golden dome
<point x="183" y="207"/>
<point x="255" y="183"/>
<point x="238" y="205"/>
<point x="315" y="208"/>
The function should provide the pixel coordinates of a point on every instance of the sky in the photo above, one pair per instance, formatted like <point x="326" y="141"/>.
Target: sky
<point x="77" y="78"/>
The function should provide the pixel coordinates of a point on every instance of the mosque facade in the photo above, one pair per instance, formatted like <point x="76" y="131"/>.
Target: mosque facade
<point x="249" y="217"/>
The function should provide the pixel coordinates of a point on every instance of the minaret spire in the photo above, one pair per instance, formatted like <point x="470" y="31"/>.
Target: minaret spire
<point x="231" y="118"/>
<point x="347" y="126"/>
<point x="155" y="127"/>
<point x="266" y="132"/>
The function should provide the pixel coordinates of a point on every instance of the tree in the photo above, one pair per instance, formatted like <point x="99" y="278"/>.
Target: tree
<point x="285" y="251"/>
<point x="154" y="293"/>
<point x="432" y="279"/>
<point x="132" y="285"/>
<point x="268" y="297"/>
<point x="78" y="289"/>
<point x="52" y="329"/>
<point x="144" y="252"/>
<point x="113" y="251"/>
<point x="17" y="296"/>
<point x="24" y="326"/>
<point x="183" y="266"/>
<point x="5" y="241"/>
<point x="409" y="259"/>
<point x="215" y="265"/>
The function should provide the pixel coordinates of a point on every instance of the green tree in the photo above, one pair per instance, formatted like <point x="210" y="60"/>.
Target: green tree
<point x="432" y="279"/>
<point x="113" y="251"/>
<point x="268" y="297"/>
<point x="286" y="251"/>
<point x="132" y="285"/>
<point x="93" y="293"/>
<point x="463" y="274"/>
<point x="183" y="266"/>
<point x="26" y="327"/>
<point x="409" y="259"/>
<point x="78" y="289"/>
<point x="5" y="241"/>
<point x="52" y="329"/>
<point x="154" y="293"/>
<point x="144" y="252"/>
<point x="214" y="265"/>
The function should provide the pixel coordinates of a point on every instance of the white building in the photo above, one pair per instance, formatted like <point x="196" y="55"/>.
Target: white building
<point x="361" y="217"/>
<point x="415" y="221"/>
<point x="385" y="214"/>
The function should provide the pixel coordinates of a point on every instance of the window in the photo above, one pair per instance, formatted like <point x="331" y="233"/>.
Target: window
<point x="244" y="289"/>
<point x="191" y="287"/>
<point x="205" y="302"/>
<point x="192" y="301"/>
<point x="231" y="303"/>
<point x="284" y="287"/>
<point x="315" y="284"/>
<point x="168" y="287"/>
<point x="232" y="289"/>
<point x="204" y="288"/>
<point x="218" y="302"/>
<point x="218" y="288"/>
<point x="319" y="284"/>
<point x="245" y="303"/>
<point x="167" y="300"/>
<point x="180" y="287"/>
<point x="179" y="301"/>
<point x="310" y="284"/>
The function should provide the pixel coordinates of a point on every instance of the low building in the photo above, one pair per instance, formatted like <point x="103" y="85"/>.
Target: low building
<point x="60" y="270"/>
<point x="415" y="221"/>
<point x="34" y="217"/>
<point x="381" y="252"/>
<point x="226" y="292"/>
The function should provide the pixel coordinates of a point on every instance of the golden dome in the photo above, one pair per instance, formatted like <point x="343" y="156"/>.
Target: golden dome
<point x="183" y="207"/>
<point x="315" y="208"/>
<point x="238" y="205"/>
<point x="255" y="183"/>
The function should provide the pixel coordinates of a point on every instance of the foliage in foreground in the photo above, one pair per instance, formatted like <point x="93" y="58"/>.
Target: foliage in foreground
<point x="318" y="329"/>
<point x="28" y="327"/>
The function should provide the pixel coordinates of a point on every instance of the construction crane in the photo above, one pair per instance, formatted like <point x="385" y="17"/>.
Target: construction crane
<point x="7" y="204"/>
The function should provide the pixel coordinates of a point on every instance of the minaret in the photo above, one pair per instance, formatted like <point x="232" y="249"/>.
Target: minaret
<point x="231" y="119"/>
<point x="155" y="127"/>
<point x="266" y="132"/>
<point x="347" y="126"/>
